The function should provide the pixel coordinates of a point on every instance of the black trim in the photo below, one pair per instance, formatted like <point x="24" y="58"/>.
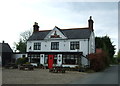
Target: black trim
<point x="55" y="53"/>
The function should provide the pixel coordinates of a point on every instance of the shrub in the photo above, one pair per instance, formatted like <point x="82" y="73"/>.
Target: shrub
<point x="27" y="63"/>
<point x="98" y="61"/>
<point x="21" y="60"/>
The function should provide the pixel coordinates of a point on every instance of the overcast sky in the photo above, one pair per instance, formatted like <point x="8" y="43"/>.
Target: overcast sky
<point x="17" y="16"/>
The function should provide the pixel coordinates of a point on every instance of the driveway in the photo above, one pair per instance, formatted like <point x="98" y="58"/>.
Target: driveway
<point x="38" y="76"/>
<point x="109" y="76"/>
<point x="42" y="76"/>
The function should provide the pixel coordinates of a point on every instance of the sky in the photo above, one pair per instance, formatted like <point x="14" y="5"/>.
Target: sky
<point x="17" y="16"/>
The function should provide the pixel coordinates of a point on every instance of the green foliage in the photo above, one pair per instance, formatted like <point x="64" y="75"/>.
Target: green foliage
<point x="105" y="44"/>
<point x="21" y="45"/>
<point x="21" y="60"/>
<point x="27" y="63"/>
<point x="118" y="55"/>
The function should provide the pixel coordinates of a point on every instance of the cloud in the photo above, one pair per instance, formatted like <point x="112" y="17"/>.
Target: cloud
<point x="19" y="15"/>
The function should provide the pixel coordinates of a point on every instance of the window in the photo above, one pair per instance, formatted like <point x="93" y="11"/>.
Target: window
<point x="55" y="59"/>
<point x="70" y="59"/>
<point x="38" y="55"/>
<point x="34" y="55"/>
<point x="29" y="55"/>
<point x="54" y="45"/>
<point x="46" y="59"/>
<point x="34" y="58"/>
<point x="37" y="46"/>
<point x="74" y="45"/>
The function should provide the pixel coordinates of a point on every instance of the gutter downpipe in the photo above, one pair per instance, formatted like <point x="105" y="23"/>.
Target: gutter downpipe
<point x="88" y="46"/>
<point x="88" y="53"/>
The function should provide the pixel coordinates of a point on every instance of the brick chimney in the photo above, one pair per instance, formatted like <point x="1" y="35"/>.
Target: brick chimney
<point x="90" y="23"/>
<point x="35" y="27"/>
<point x="3" y="41"/>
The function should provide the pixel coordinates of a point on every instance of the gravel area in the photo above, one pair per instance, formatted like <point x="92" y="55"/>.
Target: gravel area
<point x="39" y="76"/>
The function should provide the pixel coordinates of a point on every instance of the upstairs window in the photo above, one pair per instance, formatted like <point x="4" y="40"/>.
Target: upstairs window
<point x="54" y="45"/>
<point x="74" y="45"/>
<point x="37" y="46"/>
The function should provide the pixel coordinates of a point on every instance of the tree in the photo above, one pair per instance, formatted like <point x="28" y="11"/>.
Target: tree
<point x="105" y="44"/>
<point x="118" y="56"/>
<point x="25" y="35"/>
<point x="21" y="45"/>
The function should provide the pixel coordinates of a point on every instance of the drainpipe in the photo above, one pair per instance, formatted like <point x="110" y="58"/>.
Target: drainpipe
<point x="88" y="52"/>
<point x="88" y="45"/>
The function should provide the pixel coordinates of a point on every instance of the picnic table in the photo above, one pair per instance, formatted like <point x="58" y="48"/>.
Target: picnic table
<point x="26" y="67"/>
<point x="57" y="69"/>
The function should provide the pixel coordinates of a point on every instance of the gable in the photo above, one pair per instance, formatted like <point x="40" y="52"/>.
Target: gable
<point x="56" y="33"/>
<point x="4" y="47"/>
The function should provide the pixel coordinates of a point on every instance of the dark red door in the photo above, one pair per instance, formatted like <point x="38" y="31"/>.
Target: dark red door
<point x="50" y="61"/>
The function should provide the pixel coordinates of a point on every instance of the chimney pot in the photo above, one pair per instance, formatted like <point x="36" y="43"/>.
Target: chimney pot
<point x="3" y="41"/>
<point x="35" y="27"/>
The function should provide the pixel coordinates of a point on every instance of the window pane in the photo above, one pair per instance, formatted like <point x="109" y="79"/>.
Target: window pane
<point x="70" y="59"/>
<point x="54" y="45"/>
<point x="37" y="46"/>
<point x="74" y="45"/>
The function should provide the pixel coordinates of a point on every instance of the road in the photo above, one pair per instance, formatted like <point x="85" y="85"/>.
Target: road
<point x="109" y="76"/>
<point x="0" y="75"/>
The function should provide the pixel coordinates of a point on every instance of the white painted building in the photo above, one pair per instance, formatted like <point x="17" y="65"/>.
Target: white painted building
<point x="66" y="47"/>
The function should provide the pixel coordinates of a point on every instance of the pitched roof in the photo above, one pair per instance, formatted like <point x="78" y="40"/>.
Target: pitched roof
<point x="4" y="47"/>
<point x="73" y="33"/>
<point x="78" y="33"/>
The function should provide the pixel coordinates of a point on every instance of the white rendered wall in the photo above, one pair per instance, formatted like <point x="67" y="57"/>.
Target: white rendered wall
<point x="92" y="43"/>
<point x="84" y="61"/>
<point x="59" y="59"/>
<point x="42" y="59"/>
<point x="64" y="45"/>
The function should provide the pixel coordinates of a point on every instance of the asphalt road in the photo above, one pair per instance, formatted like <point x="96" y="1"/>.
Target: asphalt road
<point x="109" y="76"/>
<point x="0" y="75"/>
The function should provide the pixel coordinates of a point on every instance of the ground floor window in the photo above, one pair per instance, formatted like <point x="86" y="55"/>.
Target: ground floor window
<point x="70" y="59"/>
<point x="46" y="59"/>
<point x="34" y="55"/>
<point x="55" y="59"/>
<point x="66" y="58"/>
<point x="34" y="58"/>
